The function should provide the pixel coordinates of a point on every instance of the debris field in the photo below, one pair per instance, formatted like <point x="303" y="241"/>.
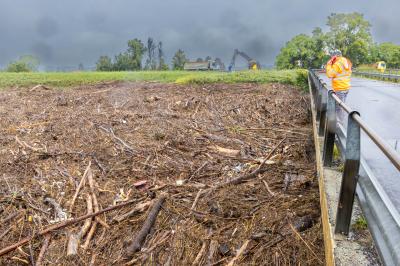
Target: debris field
<point x="212" y="174"/>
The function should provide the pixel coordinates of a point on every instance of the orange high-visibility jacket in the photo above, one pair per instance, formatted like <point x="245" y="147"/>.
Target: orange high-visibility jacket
<point x="340" y="73"/>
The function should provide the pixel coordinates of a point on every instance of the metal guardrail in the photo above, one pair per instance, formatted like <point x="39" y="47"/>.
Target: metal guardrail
<point x="382" y="216"/>
<point x="391" y="75"/>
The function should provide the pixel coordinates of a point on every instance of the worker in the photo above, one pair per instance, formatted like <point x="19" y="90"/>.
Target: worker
<point x="338" y="69"/>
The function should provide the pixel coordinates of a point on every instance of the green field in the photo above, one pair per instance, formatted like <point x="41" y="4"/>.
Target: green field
<point x="68" y="79"/>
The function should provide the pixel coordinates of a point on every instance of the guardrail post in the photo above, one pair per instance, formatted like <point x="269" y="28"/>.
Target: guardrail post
<point x="330" y="129"/>
<point x="319" y="100"/>
<point x="322" y="116"/>
<point x="349" y="178"/>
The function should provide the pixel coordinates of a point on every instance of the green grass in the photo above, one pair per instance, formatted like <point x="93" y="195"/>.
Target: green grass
<point x="69" y="79"/>
<point x="336" y="153"/>
<point x="360" y="224"/>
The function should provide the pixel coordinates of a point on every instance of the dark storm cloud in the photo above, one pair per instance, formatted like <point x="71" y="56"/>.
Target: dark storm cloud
<point x="46" y="27"/>
<point x="66" y="33"/>
<point x="42" y="51"/>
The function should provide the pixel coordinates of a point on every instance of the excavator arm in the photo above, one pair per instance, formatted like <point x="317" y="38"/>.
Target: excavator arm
<point x="253" y="64"/>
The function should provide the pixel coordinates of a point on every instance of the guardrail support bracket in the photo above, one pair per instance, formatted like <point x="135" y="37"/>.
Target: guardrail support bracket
<point x="349" y="179"/>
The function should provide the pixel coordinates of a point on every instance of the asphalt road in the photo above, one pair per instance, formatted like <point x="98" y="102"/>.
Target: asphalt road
<point x="379" y="105"/>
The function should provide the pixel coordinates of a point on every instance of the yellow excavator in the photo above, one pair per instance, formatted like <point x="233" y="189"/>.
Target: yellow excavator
<point x="381" y="66"/>
<point x="252" y="64"/>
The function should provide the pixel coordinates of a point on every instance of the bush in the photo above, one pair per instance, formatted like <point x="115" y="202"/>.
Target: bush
<point x="18" y="67"/>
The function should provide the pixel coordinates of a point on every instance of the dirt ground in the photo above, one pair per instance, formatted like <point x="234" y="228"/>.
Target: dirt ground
<point x="146" y="141"/>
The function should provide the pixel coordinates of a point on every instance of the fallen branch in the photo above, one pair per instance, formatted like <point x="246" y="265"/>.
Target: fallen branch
<point x="26" y="145"/>
<point x="121" y="141"/>
<point x="81" y="184"/>
<point x="96" y="209"/>
<point x="73" y="243"/>
<point x="299" y="236"/>
<point x="212" y="252"/>
<point x="253" y="174"/>
<point x="43" y="250"/>
<point x="61" y="225"/>
<point x="139" y="208"/>
<point x="267" y="187"/>
<point x="196" y="199"/>
<point x="275" y="129"/>
<point x="198" y="171"/>
<point x="74" y="239"/>
<point x="90" y="235"/>
<point x="10" y="217"/>
<point x="148" y="224"/>
<point x="200" y="254"/>
<point x="239" y="253"/>
<point x="225" y="151"/>
<point x="6" y="232"/>
<point x="86" y="225"/>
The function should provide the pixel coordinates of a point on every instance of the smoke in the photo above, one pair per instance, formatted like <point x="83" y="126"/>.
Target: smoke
<point x="71" y="32"/>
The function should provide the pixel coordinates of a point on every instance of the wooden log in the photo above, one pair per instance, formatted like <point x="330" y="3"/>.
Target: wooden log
<point x="148" y="224"/>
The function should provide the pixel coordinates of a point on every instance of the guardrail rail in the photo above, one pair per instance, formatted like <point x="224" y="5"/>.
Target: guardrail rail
<point x="389" y="75"/>
<point x="382" y="216"/>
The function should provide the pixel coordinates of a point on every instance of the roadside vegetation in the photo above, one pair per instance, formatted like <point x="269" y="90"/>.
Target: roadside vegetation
<point x="350" y="33"/>
<point x="68" y="79"/>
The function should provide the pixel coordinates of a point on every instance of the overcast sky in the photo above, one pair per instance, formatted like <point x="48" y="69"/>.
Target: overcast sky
<point x="66" y="33"/>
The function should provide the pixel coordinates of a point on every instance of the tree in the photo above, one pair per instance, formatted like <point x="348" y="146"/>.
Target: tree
<point x="26" y="63"/>
<point x="124" y="62"/>
<point x="151" y="60"/>
<point x="81" y="67"/>
<point x="390" y="53"/>
<point x="161" y="61"/>
<point x="299" y="52"/>
<point x="17" y="66"/>
<point x="104" y="64"/>
<point x="350" y="33"/>
<point x="179" y="60"/>
<point x="199" y="59"/>
<point x="135" y="54"/>
<point x="208" y="58"/>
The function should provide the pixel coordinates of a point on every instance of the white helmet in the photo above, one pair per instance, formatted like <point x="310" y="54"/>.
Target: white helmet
<point x="336" y="52"/>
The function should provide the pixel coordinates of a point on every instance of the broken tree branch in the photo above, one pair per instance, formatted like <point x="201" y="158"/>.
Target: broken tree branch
<point x="200" y="254"/>
<point x="43" y="250"/>
<point x="139" y="208"/>
<point x="121" y="141"/>
<point x="81" y="184"/>
<point x="148" y="224"/>
<point x="239" y="253"/>
<point x="74" y="239"/>
<point x="196" y="199"/>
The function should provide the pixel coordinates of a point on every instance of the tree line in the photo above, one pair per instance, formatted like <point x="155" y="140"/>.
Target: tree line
<point x="132" y="58"/>
<point x="350" y="33"/>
